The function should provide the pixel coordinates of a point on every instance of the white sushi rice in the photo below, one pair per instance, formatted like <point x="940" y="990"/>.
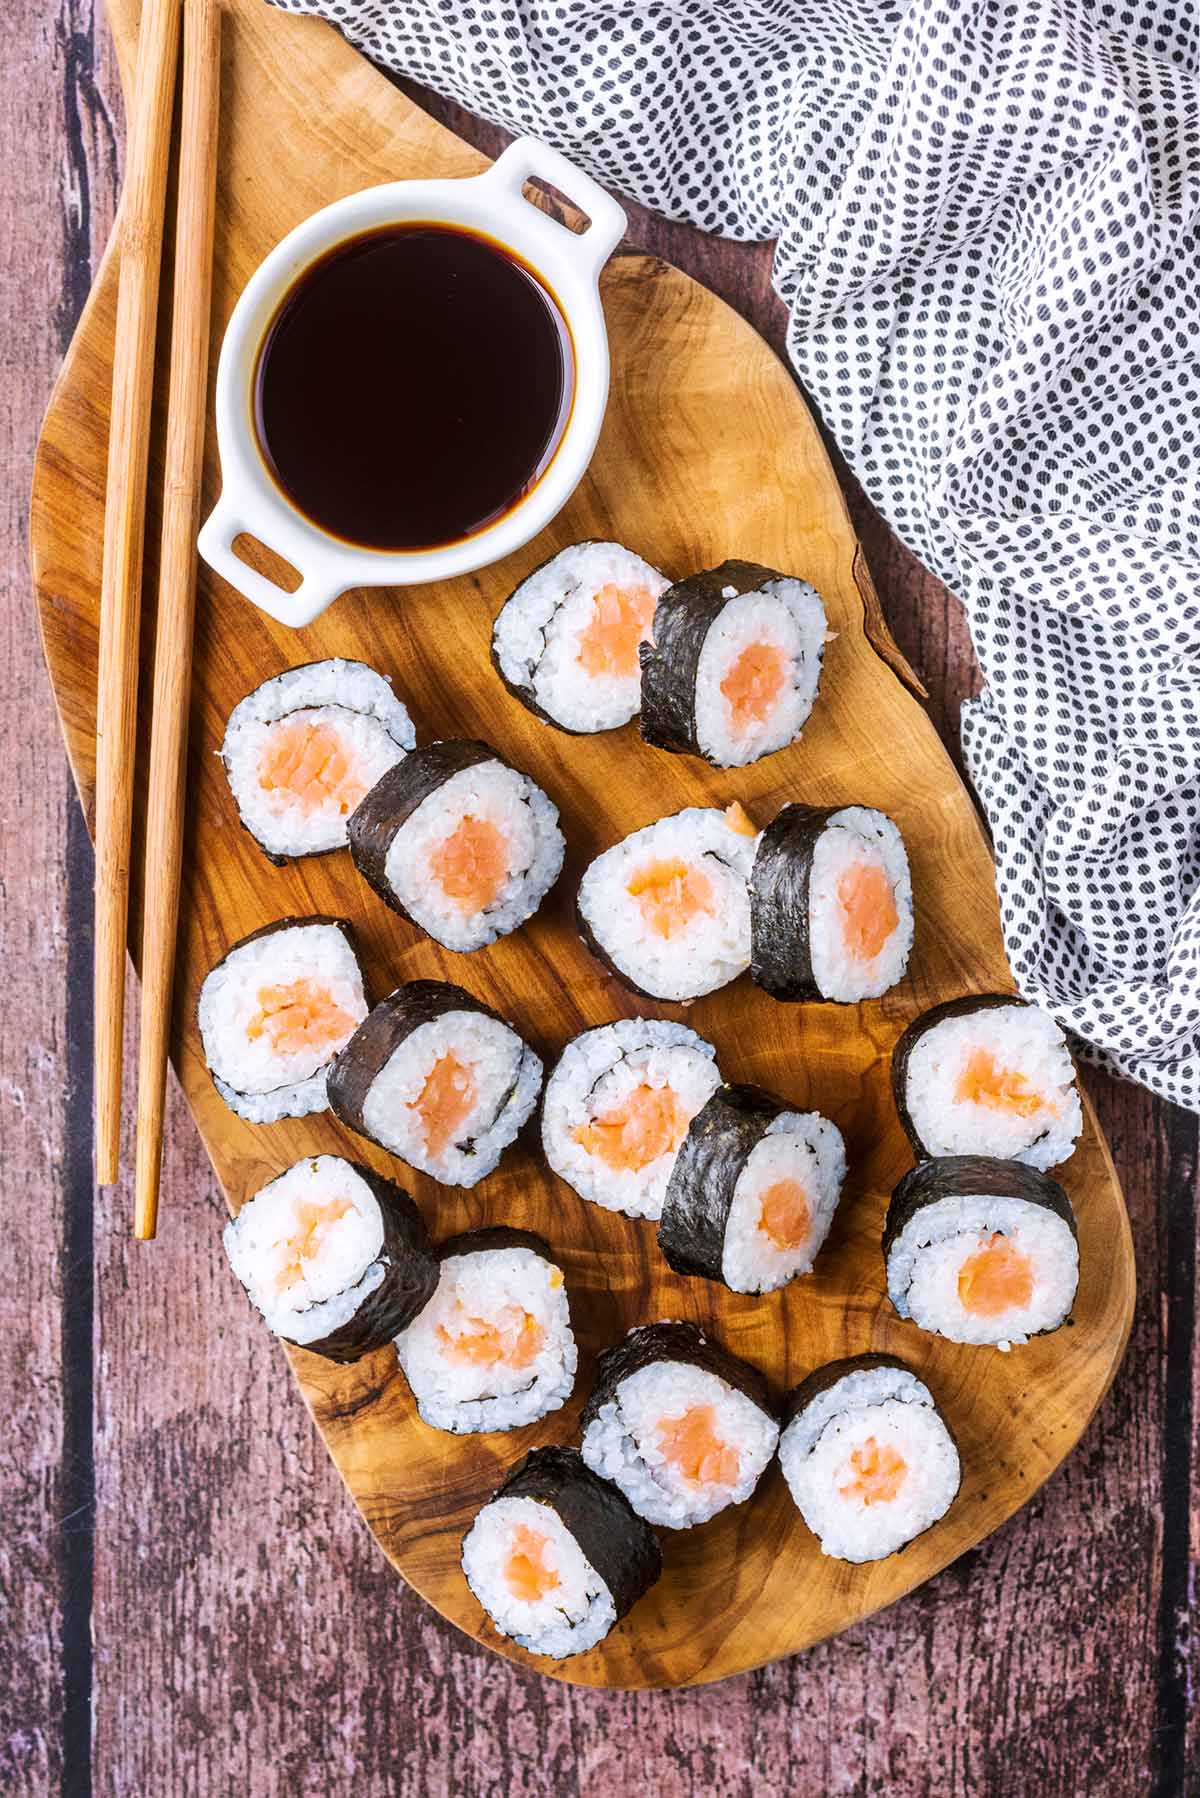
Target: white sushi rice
<point x="507" y="1078"/>
<point x="713" y="947"/>
<point x="255" y="1080"/>
<point x="622" y="1442"/>
<point x="786" y="615"/>
<point x="575" y="1615"/>
<point x="346" y="698"/>
<point x="798" y="1146"/>
<point x="889" y="1408"/>
<point x="927" y="1258"/>
<point x="490" y="1288"/>
<point x="853" y="837"/>
<point x="525" y="818"/>
<point x="538" y="635"/>
<point x="596" y="1074"/>
<point x="1021" y="1040"/>
<point x="308" y="1282"/>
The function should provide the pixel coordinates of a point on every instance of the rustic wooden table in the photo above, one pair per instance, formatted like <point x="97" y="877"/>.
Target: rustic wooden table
<point x="188" y="1603"/>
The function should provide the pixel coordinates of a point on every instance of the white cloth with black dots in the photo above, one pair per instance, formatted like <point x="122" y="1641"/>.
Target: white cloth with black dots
<point x="986" y="214"/>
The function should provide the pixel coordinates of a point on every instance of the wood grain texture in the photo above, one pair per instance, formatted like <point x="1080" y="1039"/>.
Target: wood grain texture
<point x="707" y="450"/>
<point x="281" y="1654"/>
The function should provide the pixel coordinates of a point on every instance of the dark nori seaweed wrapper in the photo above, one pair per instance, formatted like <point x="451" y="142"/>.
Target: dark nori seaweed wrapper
<point x="968" y="1176"/>
<point x="691" y="1230"/>
<point x="650" y="1343"/>
<point x="822" y="1378"/>
<point x="683" y="618"/>
<point x="409" y="1281"/>
<point x="902" y="1053"/>
<point x="381" y="1033"/>
<point x="780" y="939"/>
<point x="290" y="923"/>
<point x="618" y="1543"/>
<point x="519" y="689"/>
<point x="395" y="797"/>
<point x="496" y="1236"/>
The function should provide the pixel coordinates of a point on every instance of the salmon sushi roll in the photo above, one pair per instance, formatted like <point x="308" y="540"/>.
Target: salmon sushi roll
<point x="680" y="1425"/>
<point x="335" y="1257"/>
<point x="303" y="749"/>
<point x="982" y="1251"/>
<point x="987" y="1075"/>
<point x="667" y="908"/>
<point x="730" y="671"/>
<point x="566" y="643"/>
<point x="867" y="1456"/>
<point x="752" y="1192"/>
<point x="557" y="1556"/>
<point x="459" y="842"/>
<point x="618" y="1105"/>
<point x="275" y="1012"/>
<point x="493" y="1349"/>
<point x="831" y="910"/>
<point x="438" y="1078"/>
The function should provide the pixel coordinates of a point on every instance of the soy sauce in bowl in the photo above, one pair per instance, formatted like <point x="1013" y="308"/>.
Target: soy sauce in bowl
<point x="413" y="386"/>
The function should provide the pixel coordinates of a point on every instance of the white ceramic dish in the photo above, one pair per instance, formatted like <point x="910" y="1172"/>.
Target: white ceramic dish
<point x="569" y="263"/>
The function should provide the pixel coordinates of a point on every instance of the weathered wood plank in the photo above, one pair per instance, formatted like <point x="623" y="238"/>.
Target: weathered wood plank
<point x="247" y="1631"/>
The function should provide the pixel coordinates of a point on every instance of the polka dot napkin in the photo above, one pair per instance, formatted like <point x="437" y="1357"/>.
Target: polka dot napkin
<point x="986" y="213"/>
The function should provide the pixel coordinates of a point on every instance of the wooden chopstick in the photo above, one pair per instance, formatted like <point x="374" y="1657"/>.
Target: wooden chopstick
<point x="186" y="411"/>
<point x="141" y="230"/>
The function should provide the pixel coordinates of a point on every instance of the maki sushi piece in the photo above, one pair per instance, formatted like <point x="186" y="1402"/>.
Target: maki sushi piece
<point x="438" y="1078"/>
<point x="753" y="1191"/>
<point x="979" y="1250"/>
<point x="831" y="911"/>
<point x="566" y="643"/>
<point x="334" y="1256"/>
<point x="303" y="749"/>
<point x="667" y="908"/>
<point x="987" y="1075"/>
<point x="557" y="1556"/>
<point x="867" y="1457"/>
<point x="618" y="1105"/>
<point x="493" y="1348"/>
<point x="731" y="669"/>
<point x="459" y="842"/>
<point x="274" y="1013"/>
<point x="680" y="1425"/>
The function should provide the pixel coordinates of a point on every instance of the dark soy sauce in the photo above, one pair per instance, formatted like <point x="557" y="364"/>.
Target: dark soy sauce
<point x="412" y="386"/>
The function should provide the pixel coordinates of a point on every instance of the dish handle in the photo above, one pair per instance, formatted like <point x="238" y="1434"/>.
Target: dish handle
<point x="320" y="583"/>
<point x="530" y="159"/>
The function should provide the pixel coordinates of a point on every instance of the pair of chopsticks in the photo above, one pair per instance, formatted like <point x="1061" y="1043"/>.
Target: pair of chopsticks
<point x="141" y="238"/>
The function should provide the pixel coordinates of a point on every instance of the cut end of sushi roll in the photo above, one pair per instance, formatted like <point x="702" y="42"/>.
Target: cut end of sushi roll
<point x="335" y="1257"/>
<point x="437" y="1078"/>
<point x="680" y="1425"/>
<point x="867" y="1457"/>
<point x="988" y="1075"/>
<point x="303" y="749"/>
<point x="618" y="1105"/>
<point x="830" y="904"/>
<point x="558" y="1556"/>
<point x="667" y="908"/>
<point x="981" y="1251"/>
<point x="731" y="670"/>
<point x="566" y="643"/>
<point x="753" y="1191"/>
<point x="460" y="843"/>
<point x="274" y="1013"/>
<point x="493" y="1348"/>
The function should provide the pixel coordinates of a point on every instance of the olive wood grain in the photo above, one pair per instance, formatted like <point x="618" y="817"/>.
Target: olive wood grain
<point x="707" y="451"/>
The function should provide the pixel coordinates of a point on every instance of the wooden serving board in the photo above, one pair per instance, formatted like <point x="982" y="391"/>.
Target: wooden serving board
<point x="708" y="451"/>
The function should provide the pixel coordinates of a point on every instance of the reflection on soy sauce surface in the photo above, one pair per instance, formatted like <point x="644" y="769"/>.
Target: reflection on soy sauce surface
<point x="412" y="386"/>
